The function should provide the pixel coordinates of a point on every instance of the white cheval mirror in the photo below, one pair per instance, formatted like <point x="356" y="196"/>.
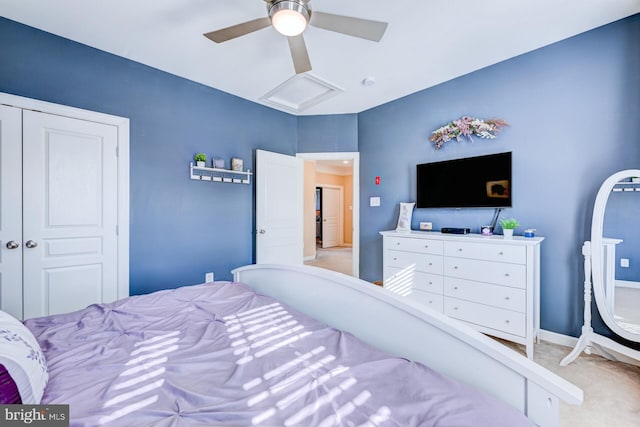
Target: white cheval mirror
<point x="610" y="261"/>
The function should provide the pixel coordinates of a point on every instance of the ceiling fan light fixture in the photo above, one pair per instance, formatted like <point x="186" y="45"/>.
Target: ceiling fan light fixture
<point x="289" y="17"/>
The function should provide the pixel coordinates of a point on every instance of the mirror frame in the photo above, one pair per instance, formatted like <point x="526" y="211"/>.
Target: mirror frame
<point x="597" y="252"/>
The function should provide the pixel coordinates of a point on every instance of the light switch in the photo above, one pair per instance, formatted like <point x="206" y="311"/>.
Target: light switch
<point x="374" y="201"/>
<point x="624" y="262"/>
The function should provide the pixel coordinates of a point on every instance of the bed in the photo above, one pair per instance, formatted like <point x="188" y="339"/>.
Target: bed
<point x="243" y="353"/>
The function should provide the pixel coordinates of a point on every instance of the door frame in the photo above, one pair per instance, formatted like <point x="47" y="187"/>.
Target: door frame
<point x="122" y="125"/>
<point x="354" y="157"/>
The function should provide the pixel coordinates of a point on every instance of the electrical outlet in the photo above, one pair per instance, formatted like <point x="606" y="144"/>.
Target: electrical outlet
<point x="208" y="277"/>
<point x="624" y="262"/>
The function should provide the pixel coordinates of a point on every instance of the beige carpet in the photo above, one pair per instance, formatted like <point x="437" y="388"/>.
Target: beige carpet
<point x="338" y="259"/>
<point x="611" y="389"/>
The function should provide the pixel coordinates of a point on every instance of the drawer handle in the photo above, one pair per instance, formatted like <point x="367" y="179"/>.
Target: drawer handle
<point x="426" y="246"/>
<point x="459" y="249"/>
<point x="507" y="298"/>
<point x="455" y="288"/>
<point x="398" y="243"/>
<point x="430" y="263"/>
<point x="455" y="308"/>
<point x="430" y="301"/>
<point x="455" y="267"/>
<point x="506" y="321"/>
<point x="501" y="253"/>
<point x="506" y="274"/>
<point x="395" y="259"/>
<point x="431" y="283"/>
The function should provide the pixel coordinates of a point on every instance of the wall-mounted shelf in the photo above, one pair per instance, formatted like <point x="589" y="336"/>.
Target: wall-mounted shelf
<point x="219" y="175"/>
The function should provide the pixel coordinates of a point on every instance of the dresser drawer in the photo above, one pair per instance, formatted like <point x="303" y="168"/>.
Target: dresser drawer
<point x="433" y="301"/>
<point x="514" y="275"/>
<point x="488" y="252"/>
<point x="420" y="262"/>
<point x="504" y="297"/>
<point x="487" y="316"/>
<point x="424" y="246"/>
<point x="399" y="280"/>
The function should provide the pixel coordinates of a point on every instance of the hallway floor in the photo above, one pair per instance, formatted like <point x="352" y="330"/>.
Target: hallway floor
<point x="338" y="259"/>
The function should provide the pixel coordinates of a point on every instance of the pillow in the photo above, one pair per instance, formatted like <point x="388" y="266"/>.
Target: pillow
<point x="22" y="358"/>
<point x="9" y="394"/>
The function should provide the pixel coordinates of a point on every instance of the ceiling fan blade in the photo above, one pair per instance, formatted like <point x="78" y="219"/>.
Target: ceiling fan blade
<point x="299" y="54"/>
<point x="357" y="27"/>
<point x="238" y="30"/>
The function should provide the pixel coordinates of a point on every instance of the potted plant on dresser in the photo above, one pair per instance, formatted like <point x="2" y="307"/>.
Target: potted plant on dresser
<point x="508" y="225"/>
<point x="200" y="159"/>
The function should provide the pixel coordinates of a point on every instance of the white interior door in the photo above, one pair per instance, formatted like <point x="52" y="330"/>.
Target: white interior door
<point x="279" y="198"/>
<point x="331" y="217"/>
<point x="70" y="206"/>
<point x="11" y="210"/>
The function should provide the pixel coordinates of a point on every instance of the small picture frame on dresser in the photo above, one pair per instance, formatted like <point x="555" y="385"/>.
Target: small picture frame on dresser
<point x="404" y="217"/>
<point x="236" y="164"/>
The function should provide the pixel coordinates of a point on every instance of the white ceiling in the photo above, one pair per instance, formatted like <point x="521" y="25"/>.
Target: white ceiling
<point x="426" y="43"/>
<point x="334" y="167"/>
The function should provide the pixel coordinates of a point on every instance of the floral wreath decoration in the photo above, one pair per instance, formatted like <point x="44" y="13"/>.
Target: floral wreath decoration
<point x="467" y="126"/>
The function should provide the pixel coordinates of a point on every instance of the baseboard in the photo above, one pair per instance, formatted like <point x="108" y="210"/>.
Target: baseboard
<point x="559" y="339"/>
<point x="627" y="284"/>
<point x="309" y="258"/>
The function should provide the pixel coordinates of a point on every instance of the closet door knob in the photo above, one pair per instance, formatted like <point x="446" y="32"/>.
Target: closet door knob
<point x="12" y="244"/>
<point x="31" y="244"/>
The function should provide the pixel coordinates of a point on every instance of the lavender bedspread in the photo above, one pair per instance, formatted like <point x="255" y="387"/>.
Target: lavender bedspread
<point x="221" y="355"/>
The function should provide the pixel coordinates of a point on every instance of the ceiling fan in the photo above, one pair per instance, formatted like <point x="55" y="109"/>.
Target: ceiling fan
<point x="291" y="17"/>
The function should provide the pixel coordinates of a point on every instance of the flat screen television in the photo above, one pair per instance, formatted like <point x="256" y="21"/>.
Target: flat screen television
<point x="473" y="182"/>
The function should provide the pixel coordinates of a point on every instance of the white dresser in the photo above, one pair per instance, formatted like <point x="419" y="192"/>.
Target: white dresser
<point x="489" y="282"/>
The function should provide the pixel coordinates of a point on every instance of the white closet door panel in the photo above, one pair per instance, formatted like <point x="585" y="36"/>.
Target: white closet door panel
<point x="11" y="210"/>
<point x="70" y="212"/>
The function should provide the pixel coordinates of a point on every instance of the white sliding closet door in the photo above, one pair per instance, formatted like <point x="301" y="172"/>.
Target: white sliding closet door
<point x="11" y="210"/>
<point x="70" y="213"/>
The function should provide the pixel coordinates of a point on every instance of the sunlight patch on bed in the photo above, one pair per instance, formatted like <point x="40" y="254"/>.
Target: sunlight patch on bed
<point x="325" y="399"/>
<point x="147" y="357"/>
<point x="263" y="330"/>
<point x="253" y="330"/>
<point x="345" y="410"/>
<point x="401" y="283"/>
<point x="377" y="419"/>
<point x="310" y="386"/>
<point x="283" y="368"/>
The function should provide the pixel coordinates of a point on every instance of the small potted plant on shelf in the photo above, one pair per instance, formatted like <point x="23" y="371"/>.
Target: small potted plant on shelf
<point x="508" y="225"/>
<point x="200" y="159"/>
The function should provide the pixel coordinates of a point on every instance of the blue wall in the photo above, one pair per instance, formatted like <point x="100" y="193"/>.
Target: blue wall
<point x="573" y="108"/>
<point x="180" y="228"/>
<point x="318" y="134"/>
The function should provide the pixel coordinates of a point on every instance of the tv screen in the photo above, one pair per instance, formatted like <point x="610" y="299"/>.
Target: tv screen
<point x="473" y="182"/>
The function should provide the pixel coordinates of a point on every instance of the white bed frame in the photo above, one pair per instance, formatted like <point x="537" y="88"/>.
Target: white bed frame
<point x="398" y="327"/>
